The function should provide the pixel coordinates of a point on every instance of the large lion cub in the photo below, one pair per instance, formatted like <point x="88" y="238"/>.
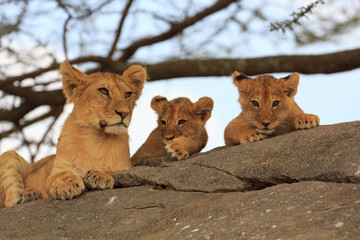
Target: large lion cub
<point x="181" y="129"/>
<point x="93" y="143"/>
<point x="268" y="109"/>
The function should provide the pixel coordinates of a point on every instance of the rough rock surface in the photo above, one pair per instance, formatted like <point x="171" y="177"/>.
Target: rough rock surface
<point x="303" y="185"/>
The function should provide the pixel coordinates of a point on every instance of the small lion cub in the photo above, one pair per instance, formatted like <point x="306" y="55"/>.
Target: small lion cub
<point x="268" y="109"/>
<point x="181" y="129"/>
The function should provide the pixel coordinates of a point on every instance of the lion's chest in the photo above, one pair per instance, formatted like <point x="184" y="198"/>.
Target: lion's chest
<point x="86" y="153"/>
<point x="109" y="154"/>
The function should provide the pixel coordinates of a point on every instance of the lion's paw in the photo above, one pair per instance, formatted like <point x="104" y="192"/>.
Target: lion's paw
<point x="98" y="180"/>
<point x="176" y="149"/>
<point x="250" y="136"/>
<point x="304" y="121"/>
<point x="26" y="195"/>
<point x="66" y="187"/>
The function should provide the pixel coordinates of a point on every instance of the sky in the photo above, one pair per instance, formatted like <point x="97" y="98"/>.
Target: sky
<point x="333" y="97"/>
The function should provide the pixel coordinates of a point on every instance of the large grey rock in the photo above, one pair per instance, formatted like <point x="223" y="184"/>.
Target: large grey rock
<point x="303" y="185"/>
<point x="326" y="153"/>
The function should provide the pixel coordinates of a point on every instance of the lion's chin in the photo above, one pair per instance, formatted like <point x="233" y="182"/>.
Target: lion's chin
<point x="265" y="131"/>
<point x="116" y="129"/>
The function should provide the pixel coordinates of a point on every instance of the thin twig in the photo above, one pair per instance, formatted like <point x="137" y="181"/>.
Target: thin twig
<point x="64" y="36"/>
<point x="57" y="112"/>
<point x="296" y="16"/>
<point x="26" y="124"/>
<point x="120" y="27"/>
<point x="175" y="29"/>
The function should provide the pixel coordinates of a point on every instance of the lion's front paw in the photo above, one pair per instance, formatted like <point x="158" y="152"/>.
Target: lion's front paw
<point x="250" y="136"/>
<point x="176" y="149"/>
<point x="26" y="195"/>
<point x="304" y="121"/>
<point x="66" y="187"/>
<point x="98" y="180"/>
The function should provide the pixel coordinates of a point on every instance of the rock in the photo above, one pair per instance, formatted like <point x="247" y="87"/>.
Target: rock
<point x="302" y="185"/>
<point x="325" y="153"/>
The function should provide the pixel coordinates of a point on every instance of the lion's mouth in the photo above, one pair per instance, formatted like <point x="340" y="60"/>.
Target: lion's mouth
<point x="103" y="124"/>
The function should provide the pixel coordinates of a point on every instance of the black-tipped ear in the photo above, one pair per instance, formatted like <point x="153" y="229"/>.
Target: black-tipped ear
<point x="290" y="84"/>
<point x="287" y="77"/>
<point x="238" y="79"/>
<point x="158" y="103"/>
<point x="241" y="76"/>
<point x="203" y="108"/>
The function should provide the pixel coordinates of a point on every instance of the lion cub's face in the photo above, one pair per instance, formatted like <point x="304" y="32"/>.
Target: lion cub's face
<point x="180" y="117"/>
<point x="103" y="101"/>
<point x="266" y="100"/>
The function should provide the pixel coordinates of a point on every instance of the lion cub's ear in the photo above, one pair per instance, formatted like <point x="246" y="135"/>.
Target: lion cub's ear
<point x="290" y="84"/>
<point x="136" y="75"/>
<point x="203" y="108"/>
<point x="158" y="103"/>
<point x="238" y="80"/>
<point x="73" y="81"/>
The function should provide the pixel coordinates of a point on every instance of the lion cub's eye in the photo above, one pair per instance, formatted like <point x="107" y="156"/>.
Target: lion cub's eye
<point x="128" y="94"/>
<point x="255" y="103"/>
<point x="163" y="122"/>
<point x="181" y="122"/>
<point x="104" y="91"/>
<point x="275" y="103"/>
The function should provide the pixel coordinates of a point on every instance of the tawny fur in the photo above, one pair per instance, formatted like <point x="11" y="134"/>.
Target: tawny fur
<point x="93" y="143"/>
<point x="181" y="129"/>
<point x="268" y="109"/>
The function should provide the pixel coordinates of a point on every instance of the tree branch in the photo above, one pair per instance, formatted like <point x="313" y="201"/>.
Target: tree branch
<point x="57" y="112"/>
<point x="64" y="41"/>
<point x="120" y="27"/>
<point x="174" y="29"/>
<point x="296" y="16"/>
<point x="34" y="97"/>
<point x="53" y="66"/>
<point x="14" y="115"/>
<point x="18" y="127"/>
<point x="306" y="64"/>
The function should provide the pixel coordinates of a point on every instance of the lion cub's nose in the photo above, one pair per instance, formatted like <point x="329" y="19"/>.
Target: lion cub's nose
<point x="266" y="124"/>
<point x="122" y="114"/>
<point x="169" y="138"/>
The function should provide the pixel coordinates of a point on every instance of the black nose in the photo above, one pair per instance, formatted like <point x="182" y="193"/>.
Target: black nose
<point x="122" y="114"/>
<point x="169" y="138"/>
<point x="266" y="124"/>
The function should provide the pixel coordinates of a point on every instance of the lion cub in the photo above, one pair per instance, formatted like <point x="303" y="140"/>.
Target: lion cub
<point x="181" y="129"/>
<point x="93" y="143"/>
<point x="268" y="109"/>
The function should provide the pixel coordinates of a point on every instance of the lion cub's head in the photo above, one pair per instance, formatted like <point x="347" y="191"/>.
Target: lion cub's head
<point x="180" y="117"/>
<point x="103" y="101"/>
<point x="265" y="100"/>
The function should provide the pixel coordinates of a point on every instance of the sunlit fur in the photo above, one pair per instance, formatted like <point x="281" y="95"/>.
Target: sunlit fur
<point x="181" y="129"/>
<point x="268" y="109"/>
<point x="93" y="143"/>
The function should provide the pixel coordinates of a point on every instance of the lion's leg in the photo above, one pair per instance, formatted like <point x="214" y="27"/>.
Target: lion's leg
<point x="13" y="169"/>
